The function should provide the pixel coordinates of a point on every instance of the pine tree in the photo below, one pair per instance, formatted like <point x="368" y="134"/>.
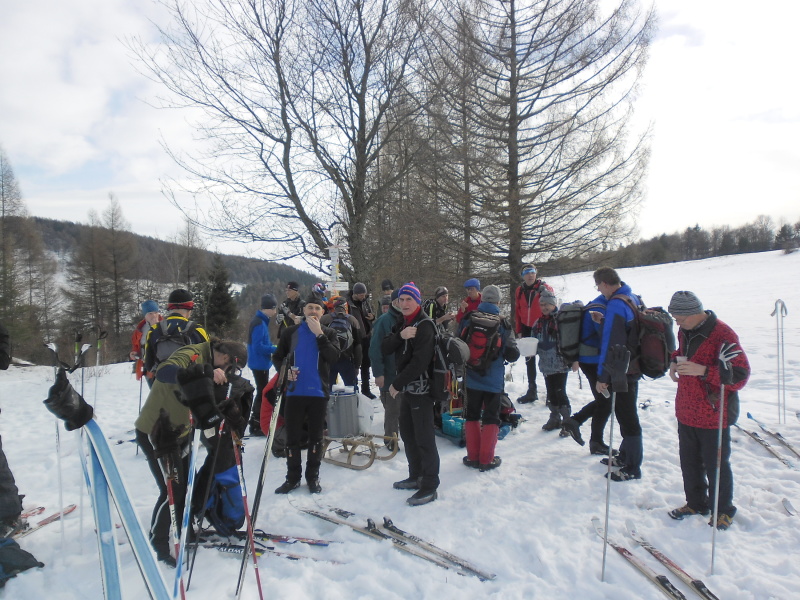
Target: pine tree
<point x="221" y="311"/>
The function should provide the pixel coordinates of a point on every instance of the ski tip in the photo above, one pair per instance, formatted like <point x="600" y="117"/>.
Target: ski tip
<point x="749" y="416"/>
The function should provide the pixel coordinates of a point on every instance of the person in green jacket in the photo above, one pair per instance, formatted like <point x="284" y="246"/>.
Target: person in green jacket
<point x="223" y="356"/>
<point x="383" y="367"/>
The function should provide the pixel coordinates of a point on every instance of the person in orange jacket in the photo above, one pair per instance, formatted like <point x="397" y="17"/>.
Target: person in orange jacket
<point x="151" y="315"/>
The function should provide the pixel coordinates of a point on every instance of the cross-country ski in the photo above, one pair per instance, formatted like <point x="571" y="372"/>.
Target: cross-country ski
<point x="775" y="434"/>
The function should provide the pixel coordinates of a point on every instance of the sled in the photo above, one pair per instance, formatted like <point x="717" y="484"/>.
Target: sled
<point x="358" y="452"/>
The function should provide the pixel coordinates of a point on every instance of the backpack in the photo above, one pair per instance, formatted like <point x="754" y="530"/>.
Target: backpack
<point x="652" y="339"/>
<point x="344" y="331"/>
<point x="168" y="342"/>
<point x="225" y="507"/>
<point x="482" y="335"/>
<point x="450" y="355"/>
<point x="569" y="322"/>
<point x="14" y="559"/>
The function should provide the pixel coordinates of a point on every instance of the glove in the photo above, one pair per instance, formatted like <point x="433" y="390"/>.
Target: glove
<point x="164" y="437"/>
<point x="616" y="364"/>
<point x="197" y="393"/>
<point x="67" y="404"/>
<point x="726" y="354"/>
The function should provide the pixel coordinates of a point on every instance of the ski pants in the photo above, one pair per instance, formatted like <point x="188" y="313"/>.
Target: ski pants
<point x="160" y="521"/>
<point x="483" y="406"/>
<point x="419" y="438"/>
<point x="556" y="384"/>
<point x="631" y="450"/>
<point x="261" y="378"/>
<point x="598" y="410"/>
<point x="298" y="408"/>
<point x="698" y="454"/>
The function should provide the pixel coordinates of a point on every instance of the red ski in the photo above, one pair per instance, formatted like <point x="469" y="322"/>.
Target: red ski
<point x="46" y="521"/>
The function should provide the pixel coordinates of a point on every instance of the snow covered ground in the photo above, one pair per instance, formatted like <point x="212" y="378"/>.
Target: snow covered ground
<point x="528" y="521"/>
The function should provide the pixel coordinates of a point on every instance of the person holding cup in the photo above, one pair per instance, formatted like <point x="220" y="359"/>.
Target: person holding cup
<point x="311" y="349"/>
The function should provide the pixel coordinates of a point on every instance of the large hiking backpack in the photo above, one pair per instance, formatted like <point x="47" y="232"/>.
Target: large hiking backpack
<point x="225" y="507"/>
<point x="652" y="339"/>
<point x="168" y="341"/>
<point x="450" y="355"/>
<point x="482" y="335"/>
<point x="569" y="322"/>
<point x="344" y="331"/>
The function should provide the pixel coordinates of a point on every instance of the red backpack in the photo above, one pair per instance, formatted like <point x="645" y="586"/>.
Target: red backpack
<point x="482" y="335"/>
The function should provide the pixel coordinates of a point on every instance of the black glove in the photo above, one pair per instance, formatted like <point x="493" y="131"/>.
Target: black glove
<point x="197" y="393"/>
<point x="67" y="404"/>
<point x="616" y="364"/>
<point x="165" y="437"/>
<point x="726" y="354"/>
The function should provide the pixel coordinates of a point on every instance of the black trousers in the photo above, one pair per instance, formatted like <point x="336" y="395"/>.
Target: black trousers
<point x="300" y="409"/>
<point x="483" y="406"/>
<point x="365" y="363"/>
<point x="530" y="362"/>
<point x="10" y="501"/>
<point x="598" y="410"/>
<point x="556" y="384"/>
<point x="419" y="438"/>
<point x="261" y="378"/>
<point x="698" y="454"/>
<point x="160" y="521"/>
<point x="631" y="448"/>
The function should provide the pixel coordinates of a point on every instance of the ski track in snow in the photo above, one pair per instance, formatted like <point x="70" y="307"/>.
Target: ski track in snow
<point x="528" y="521"/>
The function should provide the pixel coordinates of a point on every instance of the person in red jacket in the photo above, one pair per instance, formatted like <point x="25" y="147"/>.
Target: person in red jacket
<point x="151" y="315"/>
<point x="708" y="356"/>
<point x="526" y="311"/>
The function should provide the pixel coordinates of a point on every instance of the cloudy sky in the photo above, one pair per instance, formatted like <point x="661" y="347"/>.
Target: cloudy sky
<point x="720" y="90"/>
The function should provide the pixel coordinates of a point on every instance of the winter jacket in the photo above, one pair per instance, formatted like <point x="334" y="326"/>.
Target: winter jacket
<point x="526" y="304"/>
<point x="414" y="356"/>
<point x="472" y="305"/>
<point x="362" y="311"/>
<point x="383" y="365"/>
<point x="165" y="386"/>
<point x="494" y="378"/>
<point x="616" y="329"/>
<point x="697" y="399"/>
<point x="545" y="330"/>
<point x="259" y="344"/>
<point x="589" y="348"/>
<point x="356" y="351"/>
<point x="313" y="356"/>
<point x="174" y="323"/>
<point x="139" y="335"/>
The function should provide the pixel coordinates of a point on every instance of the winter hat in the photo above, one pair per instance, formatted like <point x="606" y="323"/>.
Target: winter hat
<point x="527" y="269"/>
<point x="472" y="283"/>
<point x="340" y="304"/>
<point x="410" y="289"/>
<point x="268" y="301"/>
<point x="149" y="306"/>
<point x="314" y="298"/>
<point x="359" y="288"/>
<point x="180" y="299"/>
<point x="440" y="291"/>
<point x="685" y="303"/>
<point x="491" y="293"/>
<point x="293" y="285"/>
<point x="386" y="300"/>
<point x="236" y="351"/>
<point x="395" y="295"/>
<point x="319" y="288"/>
<point x="547" y="297"/>
<point x="386" y="285"/>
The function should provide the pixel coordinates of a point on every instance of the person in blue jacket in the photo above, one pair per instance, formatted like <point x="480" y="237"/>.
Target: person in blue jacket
<point x="259" y="355"/>
<point x="485" y="391"/>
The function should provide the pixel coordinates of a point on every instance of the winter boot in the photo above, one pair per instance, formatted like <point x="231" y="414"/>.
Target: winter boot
<point x="472" y="431"/>
<point x="423" y="496"/>
<point x="529" y="397"/>
<point x="572" y="428"/>
<point x="554" y="422"/>
<point x="287" y="486"/>
<point x="488" y="443"/>
<point x="564" y="410"/>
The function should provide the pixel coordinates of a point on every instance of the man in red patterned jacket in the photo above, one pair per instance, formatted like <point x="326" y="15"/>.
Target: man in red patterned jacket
<point x="708" y="356"/>
<point x="526" y="311"/>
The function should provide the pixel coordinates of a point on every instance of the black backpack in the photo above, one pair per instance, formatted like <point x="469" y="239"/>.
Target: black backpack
<point x="482" y="335"/>
<point x="651" y="341"/>
<point x="344" y="331"/>
<point x="569" y="322"/>
<point x="168" y="341"/>
<point x="450" y="356"/>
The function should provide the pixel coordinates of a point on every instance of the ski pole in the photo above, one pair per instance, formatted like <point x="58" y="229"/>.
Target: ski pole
<point x="250" y="537"/>
<point x="187" y="511"/>
<point x="779" y="312"/>
<point x="140" y="407"/>
<point x="56" y="364"/>
<point x="101" y="336"/>
<point x="170" y="477"/>
<point x="608" y="480"/>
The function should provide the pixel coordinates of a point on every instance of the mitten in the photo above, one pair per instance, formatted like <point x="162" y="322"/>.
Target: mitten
<point x="616" y="364"/>
<point x="67" y="404"/>
<point x="197" y="393"/>
<point x="727" y="353"/>
<point x="165" y="437"/>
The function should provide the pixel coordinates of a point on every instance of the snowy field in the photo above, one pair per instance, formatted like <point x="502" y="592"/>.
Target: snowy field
<point x="528" y="521"/>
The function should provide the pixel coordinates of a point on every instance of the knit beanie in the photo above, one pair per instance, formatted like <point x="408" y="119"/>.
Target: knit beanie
<point x="293" y="285"/>
<point x="491" y="293"/>
<point x="180" y="298"/>
<point x="314" y="298"/>
<point x="472" y="283"/>
<point x="685" y="303"/>
<point x="149" y="306"/>
<point x="547" y="297"/>
<point x="410" y="289"/>
<point x="440" y="291"/>
<point x="359" y="288"/>
<point x="268" y="301"/>
<point x="386" y="300"/>
<point x="386" y="285"/>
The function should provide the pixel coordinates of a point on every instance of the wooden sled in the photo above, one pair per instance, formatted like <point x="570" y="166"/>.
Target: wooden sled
<point x="358" y="452"/>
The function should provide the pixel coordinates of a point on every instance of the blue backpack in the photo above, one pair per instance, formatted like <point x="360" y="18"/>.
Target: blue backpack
<point x="225" y="507"/>
<point x="14" y="559"/>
